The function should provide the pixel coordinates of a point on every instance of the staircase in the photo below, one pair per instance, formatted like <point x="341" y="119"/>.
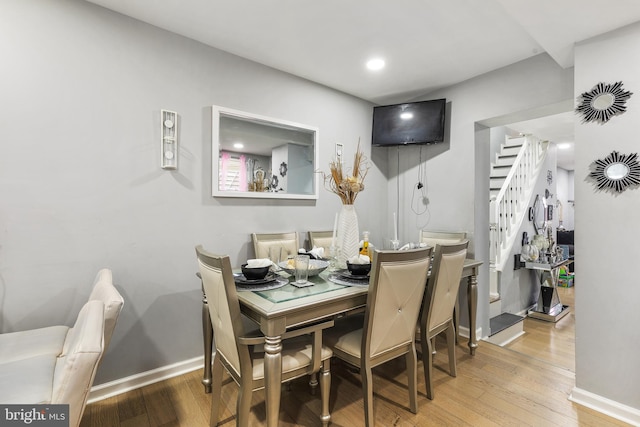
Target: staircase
<point x="513" y="176"/>
<point x="512" y="179"/>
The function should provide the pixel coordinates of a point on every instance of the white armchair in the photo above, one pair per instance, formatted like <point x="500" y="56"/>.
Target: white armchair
<point x="63" y="378"/>
<point x="57" y="364"/>
<point x="49" y="340"/>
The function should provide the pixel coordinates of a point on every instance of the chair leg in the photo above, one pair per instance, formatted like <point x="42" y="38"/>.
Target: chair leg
<point x="325" y="389"/>
<point x="367" y="391"/>
<point x="412" y="378"/>
<point x="243" y="405"/>
<point x="427" y="361"/>
<point x="456" y="320"/>
<point x="313" y="383"/>
<point x="451" y="344"/>
<point x="216" y="389"/>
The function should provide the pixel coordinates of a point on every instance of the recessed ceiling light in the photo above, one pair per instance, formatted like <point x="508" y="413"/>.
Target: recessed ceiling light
<point x="375" y="64"/>
<point x="238" y="145"/>
<point x="564" y="145"/>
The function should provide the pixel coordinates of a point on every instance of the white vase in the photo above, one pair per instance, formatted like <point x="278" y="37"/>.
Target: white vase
<point x="348" y="236"/>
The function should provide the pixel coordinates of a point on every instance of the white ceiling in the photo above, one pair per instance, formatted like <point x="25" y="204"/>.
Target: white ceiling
<point x="558" y="129"/>
<point x="427" y="44"/>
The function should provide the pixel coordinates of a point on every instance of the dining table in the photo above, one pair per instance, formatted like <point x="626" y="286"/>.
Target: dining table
<point x="287" y="307"/>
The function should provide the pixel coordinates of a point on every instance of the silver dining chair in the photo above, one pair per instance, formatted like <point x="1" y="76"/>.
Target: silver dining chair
<point x="289" y="243"/>
<point x="241" y="354"/>
<point x="321" y="239"/>
<point x="387" y="330"/>
<point x="433" y="238"/>
<point x="438" y="307"/>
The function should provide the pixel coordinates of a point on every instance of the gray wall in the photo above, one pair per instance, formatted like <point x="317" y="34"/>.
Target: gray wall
<point x="565" y="190"/>
<point x="457" y="171"/>
<point x="607" y="291"/>
<point x="81" y="185"/>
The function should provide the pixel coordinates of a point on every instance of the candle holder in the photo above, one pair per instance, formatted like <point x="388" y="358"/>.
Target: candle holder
<point x="333" y="258"/>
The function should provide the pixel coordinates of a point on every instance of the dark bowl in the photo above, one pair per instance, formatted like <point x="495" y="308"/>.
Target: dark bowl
<point x="256" y="273"/>
<point x="359" y="269"/>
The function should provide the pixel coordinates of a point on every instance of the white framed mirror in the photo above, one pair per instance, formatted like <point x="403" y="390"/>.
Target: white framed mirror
<point x="255" y="156"/>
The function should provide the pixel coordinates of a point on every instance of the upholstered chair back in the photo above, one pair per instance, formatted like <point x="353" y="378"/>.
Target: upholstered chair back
<point x="396" y="293"/>
<point x="444" y="282"/>
<point x="224" y="308"/>
<point x="433" y="238"/>
<point x="105" y="291"/>
<point x="321" y="239"/>
<point x="75" y="368"/>
<point x="262" y="242"/>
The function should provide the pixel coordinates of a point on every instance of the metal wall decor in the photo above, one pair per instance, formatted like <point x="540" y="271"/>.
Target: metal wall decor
<point x="169" y="139"/>
<point x="603" y="102"/>
<point x="616" y="172"/>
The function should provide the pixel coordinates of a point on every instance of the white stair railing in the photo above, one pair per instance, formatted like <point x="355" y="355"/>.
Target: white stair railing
<point x="508" y="208"/>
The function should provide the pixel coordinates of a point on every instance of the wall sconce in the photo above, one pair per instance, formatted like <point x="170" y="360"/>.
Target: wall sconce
<point x="169" y="139"/>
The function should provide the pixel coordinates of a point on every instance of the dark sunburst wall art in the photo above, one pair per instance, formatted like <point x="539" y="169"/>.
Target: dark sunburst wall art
<point x="603" y="102"/>
<point x="616" y="172"/>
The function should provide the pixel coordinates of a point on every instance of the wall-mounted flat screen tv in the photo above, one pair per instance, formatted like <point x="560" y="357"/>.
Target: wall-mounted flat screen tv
<point x="412" y="123"/>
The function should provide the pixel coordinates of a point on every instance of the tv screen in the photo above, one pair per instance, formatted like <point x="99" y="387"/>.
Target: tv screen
<point x="412" y="123"/>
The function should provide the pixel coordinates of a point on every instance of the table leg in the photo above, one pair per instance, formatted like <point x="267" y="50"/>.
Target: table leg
<point x="272" y="377"/>
<point x="472" y="300"/>
<point x="207" y="335"/>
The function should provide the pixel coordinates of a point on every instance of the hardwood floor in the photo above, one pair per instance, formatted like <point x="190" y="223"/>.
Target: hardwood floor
<point x="554" y="343"/>
<point x="496" y="387"/>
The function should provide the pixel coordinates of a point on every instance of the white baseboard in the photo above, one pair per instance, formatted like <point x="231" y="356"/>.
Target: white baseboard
<point x="464" y="332"/>
<point x="103" y="391"/>
<point x="606" y="406"/>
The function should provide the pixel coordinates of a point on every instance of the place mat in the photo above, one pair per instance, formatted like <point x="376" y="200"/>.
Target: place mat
<point x="347" y="281"/>
<point x="276" y="283"/>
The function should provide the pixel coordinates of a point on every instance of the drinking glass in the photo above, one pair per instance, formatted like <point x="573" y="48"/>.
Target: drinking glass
<point x="302" y="268"/>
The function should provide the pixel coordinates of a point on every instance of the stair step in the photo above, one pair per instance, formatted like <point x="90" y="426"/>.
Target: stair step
<point x="505" y="328"/>
<point x="504" y="161"/>
<point x="503" y="321"/>
<point x="513" y="149"/>
<point x="516" y="144"/>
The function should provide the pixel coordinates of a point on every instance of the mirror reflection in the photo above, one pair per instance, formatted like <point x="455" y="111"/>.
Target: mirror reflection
<point x="616" y="171"/>
<point x="539" y="214"/>
<point x="262" y="157"/>
<point x="603" y="101"/>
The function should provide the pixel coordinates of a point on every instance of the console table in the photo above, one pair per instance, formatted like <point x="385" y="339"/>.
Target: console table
<point x="549" y="307"/>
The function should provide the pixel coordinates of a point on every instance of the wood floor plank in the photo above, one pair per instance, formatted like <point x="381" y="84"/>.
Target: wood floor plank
<point x="185" y="407"/>
<point x="101" y="414"/>
<point x="159" y="403"/>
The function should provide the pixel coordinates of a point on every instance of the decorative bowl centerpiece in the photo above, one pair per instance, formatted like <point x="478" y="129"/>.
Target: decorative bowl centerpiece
<point x="359" y="269"/>
<point x="316" y="266"/>
<point x="255" y="273"/>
